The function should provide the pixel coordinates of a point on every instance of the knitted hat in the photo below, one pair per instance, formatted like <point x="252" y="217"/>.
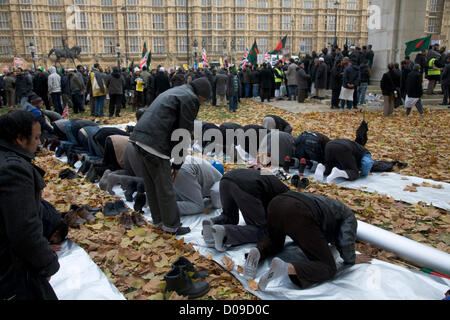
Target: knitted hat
<point x="202" y="87"/>
<point x="35" y="99"/>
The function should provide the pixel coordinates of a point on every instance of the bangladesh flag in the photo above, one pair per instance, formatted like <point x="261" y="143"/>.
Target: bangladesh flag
<point x="417" y="45"/>
<point x="279" y="46"/>
<point x="144" y="49"/>
<point x="253" y="54"/>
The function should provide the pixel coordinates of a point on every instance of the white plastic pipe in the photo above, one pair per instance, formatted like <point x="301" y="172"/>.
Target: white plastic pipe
<point x="415" y="252"/>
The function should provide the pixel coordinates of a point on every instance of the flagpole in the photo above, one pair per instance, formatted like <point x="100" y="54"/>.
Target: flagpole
<point x="187" y="31"/>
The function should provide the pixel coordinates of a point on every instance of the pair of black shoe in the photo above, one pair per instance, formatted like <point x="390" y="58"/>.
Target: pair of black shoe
<point x="131" y="187"/>
<point x="299" y="183"/>
<point x="67" y="174"/>
<point x="111" y="209"/>
<point x="178" y="279"/>
<point x="72" y="158"/>
<point x="86" y="164"/>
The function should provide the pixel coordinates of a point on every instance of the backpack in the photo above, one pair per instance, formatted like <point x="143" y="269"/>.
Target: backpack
<point x="308" y="146"/>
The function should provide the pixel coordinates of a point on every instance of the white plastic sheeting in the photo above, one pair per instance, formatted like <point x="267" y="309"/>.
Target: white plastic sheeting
<point x="79" y="278"/>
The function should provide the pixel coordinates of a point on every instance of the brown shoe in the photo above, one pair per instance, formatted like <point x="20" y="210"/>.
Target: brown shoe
<point x="86" y="215"/>
<point x="73" y="220"/>
<point x="126" y="221"/>
<point x="138" y="219"/>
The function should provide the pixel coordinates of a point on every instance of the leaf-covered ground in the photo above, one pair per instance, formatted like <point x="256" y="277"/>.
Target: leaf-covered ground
<point x="136" y="261"/>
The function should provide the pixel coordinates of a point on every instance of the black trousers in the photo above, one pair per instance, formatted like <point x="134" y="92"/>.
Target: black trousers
<point x="265" y="94"/>
<point x="115" y="104"/>
<point x="335" y="97"/>
<point x="234" y="199"/>
<point x="77" y="99"/>
<point x="337" y="155"/>
<point x="355" y="97"/>
<point x="288" y="216"/>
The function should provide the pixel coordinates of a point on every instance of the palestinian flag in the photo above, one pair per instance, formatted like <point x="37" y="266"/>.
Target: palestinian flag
<point x="279" y="46"/>
<point x="253" y="54"/>
<point x="417" y="45"/>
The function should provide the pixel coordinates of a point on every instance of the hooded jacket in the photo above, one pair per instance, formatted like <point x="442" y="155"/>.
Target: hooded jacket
<point x="97" y="88"/>
<point x="54" y="81"/>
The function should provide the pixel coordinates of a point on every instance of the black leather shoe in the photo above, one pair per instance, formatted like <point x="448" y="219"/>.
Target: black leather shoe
<point x="189" y="267"/>
<point x="179" y="281"/>
<point x="120" y="206"/>
<point x="109" y="210"/>
<point x="139" y="201"/>
<point x="67" y="174"/>
<point x="85" y="167"/>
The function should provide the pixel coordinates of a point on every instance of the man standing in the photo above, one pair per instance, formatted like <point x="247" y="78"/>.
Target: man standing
<point x="278" y="74"/>
<point x="145" y="75"/>
<point x="301" y="79"/>
<point x="422" y="61"/>
<point x="434" y="73"/>
<point x="337" y="74"/>
<point x="291" y="80"/>
<point x="247" y="80"/>
<point x="54" y="88"/>
<point x="23" y="85"/>
<point x="370" y="56"/>
<point x="174" y="109"/>
<point x="97" y="89"/>
<point x="26" y="260"/>
<point x="445" y="81"/>
<point x="221" y="88"/>
<point x="9" y="88"/>
<point x="77" y="88"/>
<point x="40" y="86"/>
<point x="321" y="79"/>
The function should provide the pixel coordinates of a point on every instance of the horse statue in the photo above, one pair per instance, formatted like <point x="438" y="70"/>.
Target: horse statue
<point x="72" y="53"/>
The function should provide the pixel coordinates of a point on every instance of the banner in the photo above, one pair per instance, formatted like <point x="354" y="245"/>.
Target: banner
<point x="18" y="63"/>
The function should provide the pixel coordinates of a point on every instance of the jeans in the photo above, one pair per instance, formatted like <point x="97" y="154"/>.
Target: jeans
<point x="247" y="89"/>
<point x="362" y="92"/>
<point x="255" y="90"/>
<point x="292" y="91"/>
<point x="233" y="103"/>
<point x="98" y="105"/>
<point x="366" y="164"/>
<point x="56" y="99"/>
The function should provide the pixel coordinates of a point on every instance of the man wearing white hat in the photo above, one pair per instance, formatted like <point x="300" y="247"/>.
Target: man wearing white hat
<point x="321" y="79"/>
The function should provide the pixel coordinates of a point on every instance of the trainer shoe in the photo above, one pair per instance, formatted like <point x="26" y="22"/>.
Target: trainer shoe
<point x="251" y="264"/>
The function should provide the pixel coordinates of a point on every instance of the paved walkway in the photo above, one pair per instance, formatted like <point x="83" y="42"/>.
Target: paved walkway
<point x="312" y="105"/>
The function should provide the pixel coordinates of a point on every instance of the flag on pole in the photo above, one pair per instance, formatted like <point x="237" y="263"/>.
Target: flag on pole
<point x="267" y="57"/>
<point x="204" y="58"/>
<point x="253" y="54"/>
<point x="279" y="46"/>
<point x="244" y="59"/>
<point x="417" y="45"/>
<point x="145" y="57"/>
<point x="65" y="113"/>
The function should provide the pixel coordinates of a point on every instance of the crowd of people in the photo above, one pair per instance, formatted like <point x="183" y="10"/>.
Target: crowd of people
<point x="345" y="72"/>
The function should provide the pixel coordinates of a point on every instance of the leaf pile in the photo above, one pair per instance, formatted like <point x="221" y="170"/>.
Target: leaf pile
<point x="135" y="260"/>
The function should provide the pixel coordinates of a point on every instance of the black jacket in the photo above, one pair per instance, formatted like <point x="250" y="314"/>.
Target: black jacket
<point x="280" y="123"/>
<point x="255" y="78"/>
<point x="40" y="85"/>
<point x="24" y="85"/>
<point x="337" y="75"/>
<point x="351" y="76"/>
<point x="337" y="222"/>
<point x="396" y="77"/>
<point x="414" y="87"/>
<point x="161" y="83"/>
<point x="364" y="72"/>
<point x="266" y="78"/>
<point x="174" y="109"/>
<point x="261" y="186"/>
<point x="445" y="75"/>
<point x="23" y="247"/>
<point x="386" y="85"/>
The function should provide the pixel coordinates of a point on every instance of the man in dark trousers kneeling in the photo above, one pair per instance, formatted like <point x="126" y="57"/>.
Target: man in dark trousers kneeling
<point x="173" y="109"/>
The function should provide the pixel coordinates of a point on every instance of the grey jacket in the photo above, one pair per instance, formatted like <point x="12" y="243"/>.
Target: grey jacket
<point x="290" y="75"/>
<point x="445" y="76"/>
<point x="174" y="109"/>
<point x="196" y="181"/>
<point x="338" y="223"/>
<point x="21" y="233"/>
<point x="221" y="84"/>
<point x="54" y="81"/>
<point x="302" y="79"/>
<point x="115" y="83"/>
<point x="77" y="82"/>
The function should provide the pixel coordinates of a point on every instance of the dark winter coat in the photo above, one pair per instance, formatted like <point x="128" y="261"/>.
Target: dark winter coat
<point x="364" y="71"/>
<point x="161" y="83"/>
<point x="24" y="86"/>
<point x="230" y="86"/>
<point x="256" y="77"/>
<point x="337" y="222"/>
<point x="386" y="85"/>
<point x="40" y="85"/>
<point x="266" y="77"/>
<point x="24" y="251"/>
<point x="115" y="83"/>
<point x="321" y="79"/>
<point x="351" y="76"/>
<point x="178" y="79"/>
<point x="445" y="75"/>
<point x="65" y="84"/>
<point x="174" y="109"/>
<point x="246" y="76"/>
<point x="414" y="87"/>
<point x="337" y="75"/>
<point x="221" y="83"/>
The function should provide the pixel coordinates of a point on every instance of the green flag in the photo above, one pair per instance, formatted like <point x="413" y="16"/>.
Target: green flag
<point x="149" y="60"/>
<point x="279" y="46"/>
<point x="417" y="45"/>
<point x="144" y="49"/>
<point x="253" y="54"/>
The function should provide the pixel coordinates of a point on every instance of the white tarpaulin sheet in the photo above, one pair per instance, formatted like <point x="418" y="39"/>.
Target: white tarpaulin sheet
<point x="79" y="278"/>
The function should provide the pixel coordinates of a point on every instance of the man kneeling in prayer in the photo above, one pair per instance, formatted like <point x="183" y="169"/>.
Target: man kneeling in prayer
<point x="312" y="221"/>
<point x="249" y="191"/>
<point x="344" y="159"/>
<point x="197" y="186"/>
